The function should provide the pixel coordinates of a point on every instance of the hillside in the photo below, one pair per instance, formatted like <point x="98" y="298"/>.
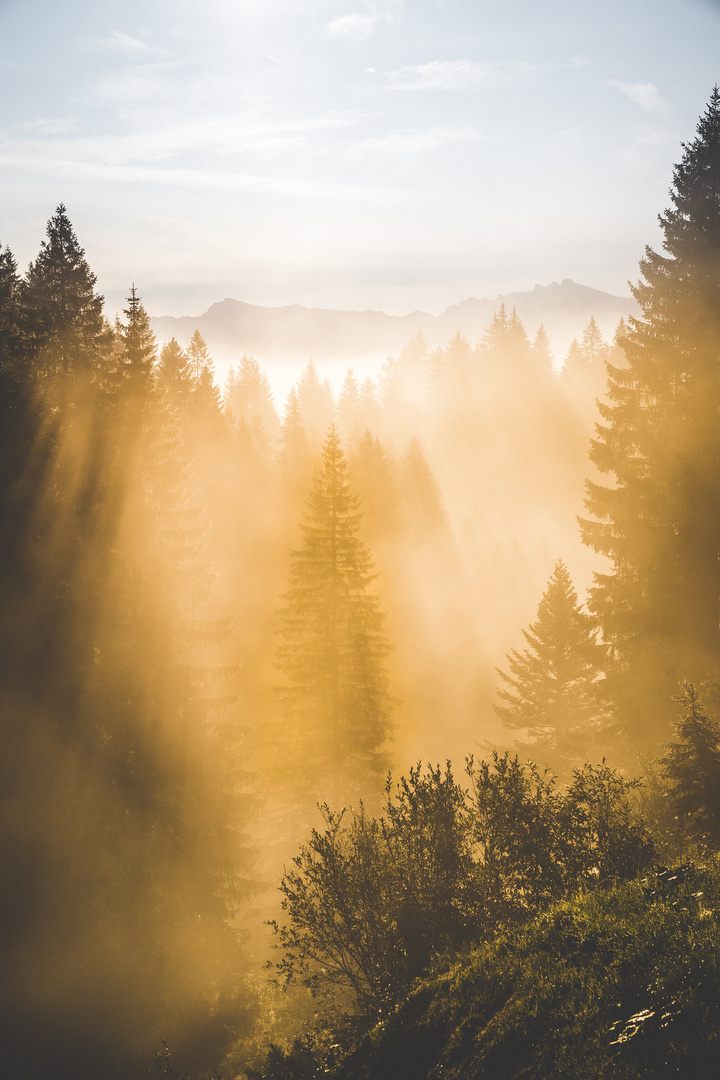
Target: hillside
<point x="623" y="983"/>
<point x="232" y="327"/>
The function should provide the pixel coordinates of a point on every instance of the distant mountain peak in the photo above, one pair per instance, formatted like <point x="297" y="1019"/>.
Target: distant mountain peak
<point x="293" y="332"/>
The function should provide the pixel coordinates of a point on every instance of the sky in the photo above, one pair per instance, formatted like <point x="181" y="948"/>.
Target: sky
<point x="348" y="153"/>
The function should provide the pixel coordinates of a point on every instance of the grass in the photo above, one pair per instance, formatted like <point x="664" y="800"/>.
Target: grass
<point x="621" y="983"/>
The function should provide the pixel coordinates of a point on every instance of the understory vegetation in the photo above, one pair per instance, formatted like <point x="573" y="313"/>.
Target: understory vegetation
<point x="222" y="631"/>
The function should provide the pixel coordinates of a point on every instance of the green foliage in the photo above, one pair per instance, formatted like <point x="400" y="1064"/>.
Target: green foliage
<point x="372" y="902"/>
<point x="621" y="983"/>
<point x="692" y="769"/>
<point x="658" y="519"/>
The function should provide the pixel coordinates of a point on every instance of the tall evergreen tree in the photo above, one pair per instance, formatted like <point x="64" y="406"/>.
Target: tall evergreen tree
<point x="541" y="350"/>
<point x="249" y="398"/>
<point x="692" y="768"/>
<point x="139" y="351"/>
<point x="658" y="521"/>
<point x="336" y="701"/>
<point x="174" y="376"/>
<point x="553" y="687"/>
<point x="64" y="313"/>
<point x="316" y="402"/>
<point x="13" y="351"/>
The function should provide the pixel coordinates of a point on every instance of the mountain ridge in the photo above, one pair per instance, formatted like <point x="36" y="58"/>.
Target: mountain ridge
<point x="294" y="332"/>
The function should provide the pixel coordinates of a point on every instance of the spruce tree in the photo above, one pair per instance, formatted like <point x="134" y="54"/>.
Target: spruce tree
<point x="336" y="703"/>
<point x="64" y="313"/>
<point x="139" y="351"/>
<point x="174" y="376"/>
<point x="249" y="399"/>
<point x="692" y="767"/>
<point x="13" y="350"/>
<point x="316" y="402"/>
<point x="658" y="520"/>
<point x="553" y="687"/>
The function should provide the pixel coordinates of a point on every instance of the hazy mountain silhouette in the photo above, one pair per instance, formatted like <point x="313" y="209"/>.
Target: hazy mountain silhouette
<point x="232" y="327"/>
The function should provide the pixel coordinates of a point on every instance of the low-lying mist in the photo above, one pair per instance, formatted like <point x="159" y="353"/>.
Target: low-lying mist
<point x="220" y="613"/>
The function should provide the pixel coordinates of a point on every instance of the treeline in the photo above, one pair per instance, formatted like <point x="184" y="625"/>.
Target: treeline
<point x="455" y="866"/>
<point x="197" y="647"/>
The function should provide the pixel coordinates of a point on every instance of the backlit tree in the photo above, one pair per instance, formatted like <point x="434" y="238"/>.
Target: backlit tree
<point x="336" y="703"/>
<point x="658" y="518"/>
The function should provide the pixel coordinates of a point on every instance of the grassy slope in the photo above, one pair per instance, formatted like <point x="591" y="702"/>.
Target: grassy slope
<point x="623" y="983"/>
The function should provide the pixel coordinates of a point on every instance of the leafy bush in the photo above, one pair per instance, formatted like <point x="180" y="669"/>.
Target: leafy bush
<point x="372" y="902"/>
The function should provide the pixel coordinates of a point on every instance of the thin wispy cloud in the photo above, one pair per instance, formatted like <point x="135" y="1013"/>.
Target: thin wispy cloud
<point x="136" y="48"/>
<point x="465" y="74"/>
<point x="644" y="95"/>
<point x="50" y="125"/>
<point x="404" y="142"/>
<point x="356" y="25"/>
<point x="440" y="75"/>
<point x="92" y="172"/>
<point x="176" y="138"/>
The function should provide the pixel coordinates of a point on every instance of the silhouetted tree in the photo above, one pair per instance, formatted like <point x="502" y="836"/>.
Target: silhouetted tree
<point x="64" y="313"/>
<point x="336" y="702"/>
<point x="138" y="349"/>
<point x="13" y="347"/>
<point x="658" y="520"/>
<point x="174" y="376"/>
<point x="553" y="689"/>
<point x="692" y="769"/>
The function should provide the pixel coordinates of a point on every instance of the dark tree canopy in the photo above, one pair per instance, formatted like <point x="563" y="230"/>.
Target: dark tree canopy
<point x="64" y="313"/>
<point x="692" y="769"/>
<point x="658" y="519"/>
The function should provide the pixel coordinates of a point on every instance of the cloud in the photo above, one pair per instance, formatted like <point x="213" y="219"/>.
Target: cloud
<point x="418" y="141"/>
<point x="153" y="176"/>
<point x="463" y="74"/>
<point x="134" y="47"/>
<point x="440" y="75"/>
<point x="51" y="125"/>
<point x="645" y="95"/>
<point x="357" y="25"/>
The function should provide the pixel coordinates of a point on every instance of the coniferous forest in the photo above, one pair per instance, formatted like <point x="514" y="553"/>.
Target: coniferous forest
<point x="374" y="733"/>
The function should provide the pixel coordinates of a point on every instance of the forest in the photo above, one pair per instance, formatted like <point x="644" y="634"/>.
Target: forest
<point x="325" y="716"/>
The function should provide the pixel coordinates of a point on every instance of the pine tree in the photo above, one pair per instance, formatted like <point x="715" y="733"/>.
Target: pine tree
<point x="518" y="346"/>
<point x="174" y="376"/>
<point x="249" y="399"/>
<point x="497" y="332"/>
<point x="64" y="313"/>
<point x="294" y="457"/>
<point x="421" y="498"/>
<point x="139" y="351"/>
<point x="692" y="767"/>
<point x="316" y="402"/>
<point x="541" y="351"/>
<point x="658" y="520"/>
<point x="198" y="354"/>
<point x="347" y="408"/>
<point x="336" y="701"/>
<point x="13" y="350"/>
<point x="553" y="688"/>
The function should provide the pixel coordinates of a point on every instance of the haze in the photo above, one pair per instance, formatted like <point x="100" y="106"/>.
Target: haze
<point x="241" y="586"/>
<point x="388" y="155"/>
